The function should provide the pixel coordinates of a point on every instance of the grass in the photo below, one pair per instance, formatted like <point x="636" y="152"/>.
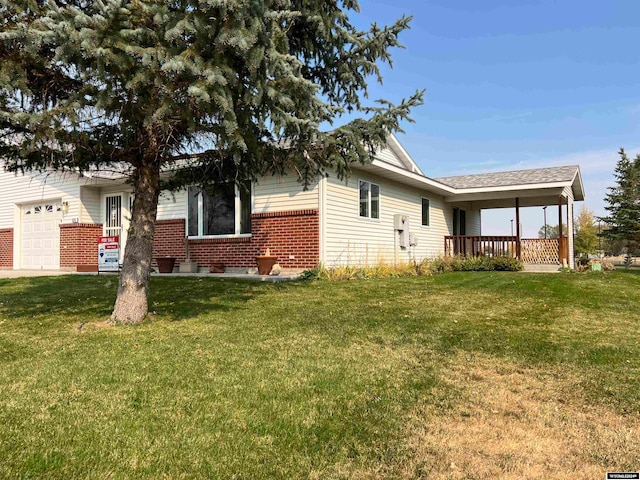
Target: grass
<point x="460" y="375"/>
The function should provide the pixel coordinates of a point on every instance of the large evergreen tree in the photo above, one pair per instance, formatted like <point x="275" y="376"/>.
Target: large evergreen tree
<point x="140" y="85"/>
<point x="623" y="204"/>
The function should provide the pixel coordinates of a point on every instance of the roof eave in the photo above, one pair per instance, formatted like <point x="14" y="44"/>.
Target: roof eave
<point x="577" y="186"/>
<point x="406" y="177"/>
<point x="400" y="151"/>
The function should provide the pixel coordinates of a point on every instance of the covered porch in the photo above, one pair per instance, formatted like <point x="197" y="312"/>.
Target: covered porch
<point x="554" y="187"/>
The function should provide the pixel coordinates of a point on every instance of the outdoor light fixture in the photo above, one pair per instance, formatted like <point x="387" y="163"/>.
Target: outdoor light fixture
<point x="65" y="207"/>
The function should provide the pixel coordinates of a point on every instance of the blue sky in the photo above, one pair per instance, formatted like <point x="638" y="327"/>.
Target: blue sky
<point x="517" y="84"/>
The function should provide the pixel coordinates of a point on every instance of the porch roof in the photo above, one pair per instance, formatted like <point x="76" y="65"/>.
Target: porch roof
<point x="535" y="186"/>
<point x="512" y="178"/>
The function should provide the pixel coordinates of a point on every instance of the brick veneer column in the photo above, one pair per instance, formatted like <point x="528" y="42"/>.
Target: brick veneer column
<point x="6" y="248"/>
<point x="79" y="246"/>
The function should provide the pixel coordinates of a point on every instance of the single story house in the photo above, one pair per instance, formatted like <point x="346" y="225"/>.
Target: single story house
<point x="386" y="211"/>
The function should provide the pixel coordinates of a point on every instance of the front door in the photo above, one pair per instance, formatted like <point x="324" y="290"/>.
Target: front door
<point x="116" y="218"/>
<point x="459" y="222"/>
<point x="459" y="228"/>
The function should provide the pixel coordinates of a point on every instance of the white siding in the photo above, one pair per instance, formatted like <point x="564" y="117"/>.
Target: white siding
<point x="350" y="240"/>
<point x="172" y="205"/>
<point x="474" y="221"/>
<point x="270" y="194"/>
<point x="20" y="189"/>
<point x="277" y="194"/>
<point x="473" y="217"/>
<point x="386" y="155"/>
<point x="90" y="205"/>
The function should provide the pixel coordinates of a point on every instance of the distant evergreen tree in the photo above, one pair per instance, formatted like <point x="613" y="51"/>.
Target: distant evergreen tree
<point x="138" y="86"/>
<point x="623" y="204"/>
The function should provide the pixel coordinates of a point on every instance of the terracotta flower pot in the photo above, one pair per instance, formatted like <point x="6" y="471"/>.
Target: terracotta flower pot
<point x="165" y="264"/>
<point x="265" y="263"/>
<point x="216" y="267"/>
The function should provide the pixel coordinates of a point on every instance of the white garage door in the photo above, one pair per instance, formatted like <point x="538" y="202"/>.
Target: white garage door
<point x="41" y="236"/>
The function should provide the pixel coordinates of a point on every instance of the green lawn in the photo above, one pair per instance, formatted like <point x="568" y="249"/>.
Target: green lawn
<point x="460" y="375"/>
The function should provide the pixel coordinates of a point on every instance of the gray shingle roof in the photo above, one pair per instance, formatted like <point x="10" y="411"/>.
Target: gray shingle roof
<point x="516" y="177"/>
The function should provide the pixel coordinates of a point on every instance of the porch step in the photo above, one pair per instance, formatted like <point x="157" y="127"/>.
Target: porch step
<point x="541" y="268"/>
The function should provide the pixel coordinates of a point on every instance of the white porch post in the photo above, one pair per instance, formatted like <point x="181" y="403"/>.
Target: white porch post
<point x="561" y="254"/>
<point x="518" y="246"/>
<point x="572" y="263"/>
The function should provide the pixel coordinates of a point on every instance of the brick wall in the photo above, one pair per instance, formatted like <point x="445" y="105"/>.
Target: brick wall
<point x="169" y="240"/>
<point x="6" y="248"/>
<point x="79" y="246"/>
<point x="294" y="233"/>
<point x="287" y="234"/>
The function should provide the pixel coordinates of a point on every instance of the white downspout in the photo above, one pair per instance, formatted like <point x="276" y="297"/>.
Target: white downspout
<point x="322" y="211"/>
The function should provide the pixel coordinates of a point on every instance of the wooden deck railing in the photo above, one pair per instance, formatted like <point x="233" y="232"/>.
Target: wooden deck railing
<point x="540" y="251"/>
<point x="532" y="250"/>
<point x="477" y="245"/>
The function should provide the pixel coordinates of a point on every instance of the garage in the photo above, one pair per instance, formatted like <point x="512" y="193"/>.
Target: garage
<point x="40" y="236"/>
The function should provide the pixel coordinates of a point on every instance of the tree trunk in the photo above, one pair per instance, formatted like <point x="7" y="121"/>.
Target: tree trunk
<point x="133" y="287"/>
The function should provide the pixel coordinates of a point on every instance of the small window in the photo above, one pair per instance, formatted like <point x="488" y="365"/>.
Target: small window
<point x="369" y="199"/>
<point x="37" y="209"/>
<point x="49" y="208"/>
<point x="425" y="212"/>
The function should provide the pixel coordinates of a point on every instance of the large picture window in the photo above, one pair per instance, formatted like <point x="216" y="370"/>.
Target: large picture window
<point x="369" y="199"/>
<point x="223" y="210"/>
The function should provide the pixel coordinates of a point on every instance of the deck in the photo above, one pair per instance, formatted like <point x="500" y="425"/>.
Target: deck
<point x="531" y="251"/>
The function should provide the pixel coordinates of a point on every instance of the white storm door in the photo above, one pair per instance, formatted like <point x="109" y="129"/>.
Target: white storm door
<point x="40" y="236"/>
<point x="116" y="218"/>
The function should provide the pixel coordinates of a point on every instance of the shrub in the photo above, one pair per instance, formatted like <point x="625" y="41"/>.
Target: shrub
<point x="441" y="265"/>
<point x="507" y="264"/>
<point x="311" y="274"/>
<point x="411" y="269"/>
<point x="607" y="266"/>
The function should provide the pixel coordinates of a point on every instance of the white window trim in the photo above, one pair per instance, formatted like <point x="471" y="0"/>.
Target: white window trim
<point x="369" y="218"/>
<point x="428" y="200"/>
<point x="237" y="212"/>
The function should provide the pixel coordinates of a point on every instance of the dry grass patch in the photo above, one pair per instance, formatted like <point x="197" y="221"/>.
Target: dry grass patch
<point x="514" y="421"/>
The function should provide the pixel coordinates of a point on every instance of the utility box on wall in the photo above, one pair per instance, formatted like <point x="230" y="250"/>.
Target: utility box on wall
<point x="399" y="221"/>
<point x="401" y="225"/>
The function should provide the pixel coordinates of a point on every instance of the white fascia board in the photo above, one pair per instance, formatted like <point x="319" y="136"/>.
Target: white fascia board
<point x="452" y="194"/>
<point x="467" y="194"/>
<point x="409" y="178"/>
<point x="578" y="195"/>
<point x="505" y="195"/>
<point x="400" y="151"/>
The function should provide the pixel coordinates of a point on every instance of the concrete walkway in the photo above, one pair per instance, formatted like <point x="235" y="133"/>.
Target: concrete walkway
<point x="240" y="276"/>
<point x="34" y="273"/>
<point x="542" y="268"/>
